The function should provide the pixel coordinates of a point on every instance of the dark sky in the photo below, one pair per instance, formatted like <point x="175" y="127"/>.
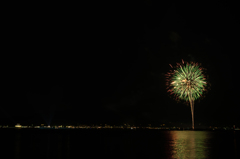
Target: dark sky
<point x="105" y="63"/>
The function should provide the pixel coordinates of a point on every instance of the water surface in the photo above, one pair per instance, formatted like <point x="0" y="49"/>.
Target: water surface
<point x="68" y="144"/>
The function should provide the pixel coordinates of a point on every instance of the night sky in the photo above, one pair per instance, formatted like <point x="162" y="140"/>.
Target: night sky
<point x="106" y="63"/>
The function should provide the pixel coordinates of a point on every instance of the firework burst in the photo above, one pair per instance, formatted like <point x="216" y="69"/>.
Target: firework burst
<point x="187" y="82"/>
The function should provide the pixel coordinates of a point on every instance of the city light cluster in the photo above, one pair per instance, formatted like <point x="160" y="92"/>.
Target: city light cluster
<point x="125" y="126"/>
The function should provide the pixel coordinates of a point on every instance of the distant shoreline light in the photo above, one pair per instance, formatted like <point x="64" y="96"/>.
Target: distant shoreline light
<point x="17" y="126"/>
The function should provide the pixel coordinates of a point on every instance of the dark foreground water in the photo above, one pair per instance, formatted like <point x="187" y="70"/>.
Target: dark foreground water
<point x="124" y="144"/>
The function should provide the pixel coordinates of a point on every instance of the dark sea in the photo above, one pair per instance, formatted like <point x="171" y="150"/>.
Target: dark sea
<point x="119" y="143"/>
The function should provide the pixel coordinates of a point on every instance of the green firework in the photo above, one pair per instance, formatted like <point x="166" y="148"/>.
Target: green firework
<point x="187" y="82"/>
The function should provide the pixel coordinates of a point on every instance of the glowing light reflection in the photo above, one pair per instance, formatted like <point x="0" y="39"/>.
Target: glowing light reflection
<point x="189" y="144"/>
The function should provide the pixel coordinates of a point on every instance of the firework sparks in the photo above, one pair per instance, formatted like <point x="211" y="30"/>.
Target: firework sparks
<point x="187" y="82"/>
